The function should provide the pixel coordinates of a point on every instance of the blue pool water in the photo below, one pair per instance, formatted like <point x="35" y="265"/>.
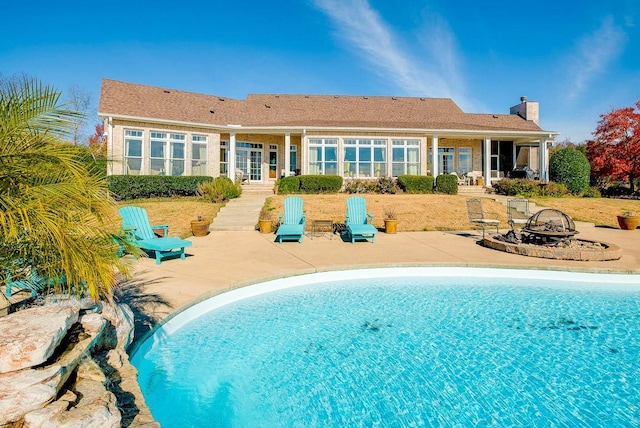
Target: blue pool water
<point x="407" y="347"/>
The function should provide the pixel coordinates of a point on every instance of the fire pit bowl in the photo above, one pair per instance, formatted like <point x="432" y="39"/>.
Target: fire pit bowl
<point x="548" y="227"/>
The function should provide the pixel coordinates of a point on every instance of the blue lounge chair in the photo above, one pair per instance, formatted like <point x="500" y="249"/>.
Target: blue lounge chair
<point x="139" y="232"/>
<point x="359" y="223"/>
<point x="293" y="220"/>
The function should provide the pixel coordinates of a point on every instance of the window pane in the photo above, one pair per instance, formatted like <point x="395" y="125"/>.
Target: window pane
<point x="397" y="169"/>
<point x="177" y="150"/>
<point x="157" y="149"/>
<point x="157" y="167"/>
<point x="331" y="154"/>
<point x="331" y="168"/>
<point x="350" y="154"/>
<point x="397" y="154"/>
<point x="134" y="148"/>
<point x="177" y="167"/>
<point x="134" y="166"/>
<point x="365" y="154"/>
<point x="379" y="154"/>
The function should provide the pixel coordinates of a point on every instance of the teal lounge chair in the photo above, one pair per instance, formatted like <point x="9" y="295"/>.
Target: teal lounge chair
<point x="293" y="220"/>
<point x="359" y="223"/>
<point x="139" y="232"/>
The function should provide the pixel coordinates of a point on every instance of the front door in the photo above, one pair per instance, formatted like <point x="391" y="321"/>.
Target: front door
<point x="273" y="161"/>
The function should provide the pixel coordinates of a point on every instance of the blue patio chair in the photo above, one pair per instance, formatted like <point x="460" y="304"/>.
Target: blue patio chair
<point x="138" y="231"/>
<point x="292" y="221"/>
<point x="359" y="223"/>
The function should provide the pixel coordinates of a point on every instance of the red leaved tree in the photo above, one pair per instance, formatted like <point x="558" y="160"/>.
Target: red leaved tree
<point x="615" y="150"/>
<point x="98" y="143"/>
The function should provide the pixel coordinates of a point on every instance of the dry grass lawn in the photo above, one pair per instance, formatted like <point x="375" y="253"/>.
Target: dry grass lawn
<point x="414" y="212"/>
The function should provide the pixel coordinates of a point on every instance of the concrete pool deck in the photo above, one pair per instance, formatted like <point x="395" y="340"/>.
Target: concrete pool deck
<point x="225" y="260"/>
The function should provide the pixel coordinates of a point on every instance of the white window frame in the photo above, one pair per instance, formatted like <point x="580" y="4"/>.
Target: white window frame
<point x="406" y="148"/>
<point x="370" y="168"/>
<point x="133" y="135"/>
<point x="199" y="146"/>
<point x="177" y="164"/>
<point x="323" y="166"/>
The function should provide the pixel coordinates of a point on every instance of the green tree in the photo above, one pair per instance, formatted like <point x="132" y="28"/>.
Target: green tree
<point x="56" y="214"/>
<point x="570" y="167"/>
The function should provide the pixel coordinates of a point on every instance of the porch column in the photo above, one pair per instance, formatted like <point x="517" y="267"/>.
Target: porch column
<point x="543" y="160"/>
<point x="434" y="156"/>
<point x="232" y="157"/>
<point x="486" y="169"/>
<point x="287" y="154"/>
<point x="304" y="167"/>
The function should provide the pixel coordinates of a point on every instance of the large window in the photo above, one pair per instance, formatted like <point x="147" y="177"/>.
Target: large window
<point x="176" y="155"/>
<point x="323" y="156"/>
<point x="199" y="155"/>
<point x="167" y="153"/>
<point x="464" y="160"/>
<point x="132" y="151"/>
<point x="405" y="157"/>
<point x="158" y="153"/>
<point x="365" y="158"/>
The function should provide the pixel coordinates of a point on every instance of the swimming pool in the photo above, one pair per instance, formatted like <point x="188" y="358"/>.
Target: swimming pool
<point x="403" y="347"/>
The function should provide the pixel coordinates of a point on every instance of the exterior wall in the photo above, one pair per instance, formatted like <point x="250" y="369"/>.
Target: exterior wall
<point x="116" y="157"/>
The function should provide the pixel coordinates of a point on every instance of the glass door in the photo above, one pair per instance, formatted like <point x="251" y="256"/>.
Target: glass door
<point x="249" y="159"/>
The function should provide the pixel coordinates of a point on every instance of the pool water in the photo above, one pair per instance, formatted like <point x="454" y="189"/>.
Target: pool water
<point x="472" y="350"/>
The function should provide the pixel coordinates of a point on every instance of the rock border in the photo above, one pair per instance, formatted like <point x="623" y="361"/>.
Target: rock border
<point x="609" y="252"/>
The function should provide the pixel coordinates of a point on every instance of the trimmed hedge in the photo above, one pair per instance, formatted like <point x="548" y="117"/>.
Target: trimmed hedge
<point x="447" y="184"/>
<point x="123" y="187"/>
<point x="416" y="183"/>
<point x="287" y="185"/>
<point x="310" y="184"/>
<point x="529" y="188"/>
<point x="571" y="168"/>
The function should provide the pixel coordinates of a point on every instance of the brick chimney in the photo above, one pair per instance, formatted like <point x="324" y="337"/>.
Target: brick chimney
<point x="528" y="110"/>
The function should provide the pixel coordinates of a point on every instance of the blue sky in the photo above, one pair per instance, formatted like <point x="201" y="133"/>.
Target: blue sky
<point x="579" y="59"/>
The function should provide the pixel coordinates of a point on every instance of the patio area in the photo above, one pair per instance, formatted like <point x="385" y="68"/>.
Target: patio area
<point x="226" y="260"/>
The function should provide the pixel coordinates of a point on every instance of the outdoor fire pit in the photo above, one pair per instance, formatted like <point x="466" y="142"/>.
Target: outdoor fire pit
<point x="549" y="234"/>
<point x="548" y="227"/>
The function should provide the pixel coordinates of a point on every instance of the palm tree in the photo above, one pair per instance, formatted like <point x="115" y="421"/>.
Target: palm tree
<point x="56" y="214"/>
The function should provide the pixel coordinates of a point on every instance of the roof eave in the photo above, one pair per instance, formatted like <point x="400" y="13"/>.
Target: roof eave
<point x="303" y="129"/>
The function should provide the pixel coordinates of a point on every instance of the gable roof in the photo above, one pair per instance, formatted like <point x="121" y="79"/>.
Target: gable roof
<point x="129" y="100"/>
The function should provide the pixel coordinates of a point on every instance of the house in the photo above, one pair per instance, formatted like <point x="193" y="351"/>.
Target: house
<point x="154" y="130"/>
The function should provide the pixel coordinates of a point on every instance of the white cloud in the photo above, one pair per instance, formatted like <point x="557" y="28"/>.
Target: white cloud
<point x="372" y="38"/>
<point x="595" y="52"/>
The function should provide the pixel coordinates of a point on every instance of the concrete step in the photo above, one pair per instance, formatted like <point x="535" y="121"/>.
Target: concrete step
<point x="241" y="213"/>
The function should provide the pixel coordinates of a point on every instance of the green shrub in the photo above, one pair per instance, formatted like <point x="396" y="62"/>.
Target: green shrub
<point x="516" y="187"/>
<point x="289" y="185"/>
<point x="123" y="187"/>
<point x="220" y="189"/>
<point x="571" y="168"/>
<point x="554" y="190"/>
<point x="591" y="192"/>
<point x="416" y="183"/>
<point x="320" y="183"/>
<point x="528" y="188"/>
<point x="447" y="184"/>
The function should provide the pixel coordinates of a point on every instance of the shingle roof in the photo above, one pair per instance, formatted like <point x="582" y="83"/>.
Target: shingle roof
<point x="271" y="110"/>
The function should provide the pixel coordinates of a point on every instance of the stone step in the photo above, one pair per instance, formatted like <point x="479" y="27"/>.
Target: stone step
<point x="240" y="214"/>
